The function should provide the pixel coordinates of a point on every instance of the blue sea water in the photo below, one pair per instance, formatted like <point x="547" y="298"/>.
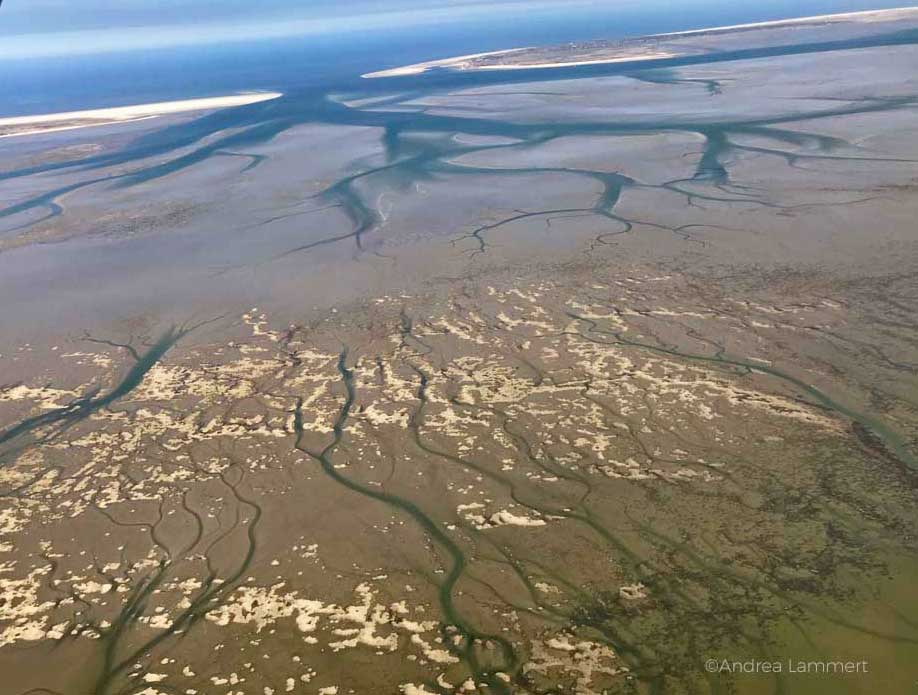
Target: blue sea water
<point x="336" y="58"/>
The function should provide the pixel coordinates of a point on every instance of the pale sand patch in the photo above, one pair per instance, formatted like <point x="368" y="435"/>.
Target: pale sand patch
<point x="455" y="62"/>
<point x="862" y="16"/>
<point x="658" y="55"/>
<point x="68" y="120"/>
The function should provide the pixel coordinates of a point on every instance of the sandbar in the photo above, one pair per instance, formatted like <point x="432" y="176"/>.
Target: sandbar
<point x="69" y="120"/>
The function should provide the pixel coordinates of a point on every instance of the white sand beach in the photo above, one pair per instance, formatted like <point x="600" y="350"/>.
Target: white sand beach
<point x="69" y="120"/>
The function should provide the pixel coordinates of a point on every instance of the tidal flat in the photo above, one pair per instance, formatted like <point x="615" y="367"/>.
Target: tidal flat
<point x="563" y="381"/>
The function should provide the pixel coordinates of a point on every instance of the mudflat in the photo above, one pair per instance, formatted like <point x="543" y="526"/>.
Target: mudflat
<point x="596" y="381"/>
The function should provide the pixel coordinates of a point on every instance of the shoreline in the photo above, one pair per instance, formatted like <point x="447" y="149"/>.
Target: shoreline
<point x="71" y="120"/>
<point x="658" y="55"/>
<point x="865" y="16"/>
<point x="629" y="48"/>
<point x="418" y="68"/>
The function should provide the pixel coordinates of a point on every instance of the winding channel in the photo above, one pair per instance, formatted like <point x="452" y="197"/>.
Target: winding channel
<point x="410" y="161"/>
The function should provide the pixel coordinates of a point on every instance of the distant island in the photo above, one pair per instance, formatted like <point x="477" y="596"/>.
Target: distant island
<point x="784" y="32"/>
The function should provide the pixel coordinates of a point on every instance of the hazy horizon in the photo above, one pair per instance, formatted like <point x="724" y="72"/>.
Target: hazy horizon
<point x="53" y="28"/>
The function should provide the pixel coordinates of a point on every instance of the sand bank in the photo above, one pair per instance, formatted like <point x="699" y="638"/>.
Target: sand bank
<point x="69" y="120"/>
<point x="636" y="49"/>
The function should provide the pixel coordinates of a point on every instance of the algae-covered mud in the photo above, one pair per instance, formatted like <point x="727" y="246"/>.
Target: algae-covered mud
<point x="597" y="380"/>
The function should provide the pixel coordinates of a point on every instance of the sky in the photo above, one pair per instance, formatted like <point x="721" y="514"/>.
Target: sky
<point x="32" y="28"/>
<point x="42" y="28"/>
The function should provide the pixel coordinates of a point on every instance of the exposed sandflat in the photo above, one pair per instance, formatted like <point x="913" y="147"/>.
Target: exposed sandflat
<point x="863" y="16"/>
<point x="68" y="120"/>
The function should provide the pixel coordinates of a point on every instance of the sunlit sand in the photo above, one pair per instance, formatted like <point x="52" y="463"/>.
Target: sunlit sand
<point x="69" y="120"/>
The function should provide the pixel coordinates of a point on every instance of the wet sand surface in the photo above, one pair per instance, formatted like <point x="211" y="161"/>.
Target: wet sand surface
<point x="500" y="383"/>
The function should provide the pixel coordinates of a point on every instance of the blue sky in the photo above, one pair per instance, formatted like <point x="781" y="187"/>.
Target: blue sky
<point x="59" y="27"/>
<point x="38" y="28"/>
